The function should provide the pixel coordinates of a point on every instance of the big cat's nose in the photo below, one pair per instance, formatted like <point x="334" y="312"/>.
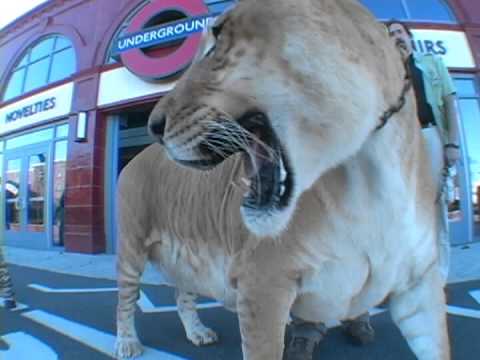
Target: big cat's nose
<point x="157" y="127"/>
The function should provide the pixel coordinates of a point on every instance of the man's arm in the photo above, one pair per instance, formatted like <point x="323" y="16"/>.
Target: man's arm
<point x="452" y="153"/>
<point x="451" y="112"/>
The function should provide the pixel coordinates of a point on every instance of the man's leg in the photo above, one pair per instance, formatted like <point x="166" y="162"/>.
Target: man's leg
<point x="443" y="240"/>
<point x="6" y="286"/>
<point x="303" y="337"/>
<point x="359" y="330"/>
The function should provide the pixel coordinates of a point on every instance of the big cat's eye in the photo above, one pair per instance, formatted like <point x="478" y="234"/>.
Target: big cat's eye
<point x="216" y="30"/>
<point x="217" y="26"/>
<point x="213" y="34"/>
<point x="211" y="45"/>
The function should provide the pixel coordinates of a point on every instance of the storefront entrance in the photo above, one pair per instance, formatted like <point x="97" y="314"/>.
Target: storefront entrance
<point x="127" y="136"/>
<point x="26" y="203"/>
<point x="33" y="182"/>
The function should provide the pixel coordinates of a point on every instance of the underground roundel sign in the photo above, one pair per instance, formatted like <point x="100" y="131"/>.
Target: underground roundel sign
<point x="163" y="37"/>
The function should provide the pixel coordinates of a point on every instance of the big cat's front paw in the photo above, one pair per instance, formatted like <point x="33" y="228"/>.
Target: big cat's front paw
<point x="127" y="348"/>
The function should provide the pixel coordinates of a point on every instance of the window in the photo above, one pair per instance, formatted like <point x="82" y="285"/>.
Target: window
<point x="62" y="65"/>
<point x="60" y="132"/>
<point x="30" y="138"/>
<point x="15" y="85"/>
<point x="50" y="60"/>
<point x="386" y="9"/>
<point x="411" y="10"/>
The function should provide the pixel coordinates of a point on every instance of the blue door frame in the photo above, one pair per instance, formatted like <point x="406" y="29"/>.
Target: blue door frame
<point x="25" y="234"/>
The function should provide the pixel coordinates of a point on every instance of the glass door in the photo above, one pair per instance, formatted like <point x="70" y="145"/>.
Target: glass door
<point x="464" y="212"/>
<point x="26" y="194"/>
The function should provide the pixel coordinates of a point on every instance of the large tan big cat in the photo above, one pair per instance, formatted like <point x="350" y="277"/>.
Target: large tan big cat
<point x="308" y="206"/>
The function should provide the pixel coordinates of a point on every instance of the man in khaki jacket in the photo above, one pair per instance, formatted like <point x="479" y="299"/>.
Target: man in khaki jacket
<point x="438" y="117"/>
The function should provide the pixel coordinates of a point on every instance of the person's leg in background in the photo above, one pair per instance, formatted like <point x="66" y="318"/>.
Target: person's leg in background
<point x="359" y="330"/>
<point x="444" y="239"/>
<point x="303" y="336"/>
<point x="6" y="286"/>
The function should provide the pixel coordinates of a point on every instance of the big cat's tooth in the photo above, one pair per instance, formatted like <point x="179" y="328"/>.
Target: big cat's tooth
<point x="283" y="172"/>
<point x="246" y="182"/>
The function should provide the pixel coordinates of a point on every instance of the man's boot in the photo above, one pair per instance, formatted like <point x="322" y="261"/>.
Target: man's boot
<point x="359" y="330"/>
<point x="303" y="337"/>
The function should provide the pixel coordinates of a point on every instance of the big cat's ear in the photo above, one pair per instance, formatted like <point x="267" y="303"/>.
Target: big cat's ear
<point x="216" y="26"/>
<point x="211" y="34"/>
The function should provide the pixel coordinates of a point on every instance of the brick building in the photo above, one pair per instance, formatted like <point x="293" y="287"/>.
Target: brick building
<point x="78" y="79"/>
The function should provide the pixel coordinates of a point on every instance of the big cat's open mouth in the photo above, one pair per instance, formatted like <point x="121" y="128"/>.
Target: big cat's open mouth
<point x="269" y="176"/>
<point x="269" y="179"/>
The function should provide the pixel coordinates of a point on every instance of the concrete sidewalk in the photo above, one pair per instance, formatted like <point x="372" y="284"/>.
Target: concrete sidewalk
<point x="465" y="263"/>
<point x="96" y="266"/>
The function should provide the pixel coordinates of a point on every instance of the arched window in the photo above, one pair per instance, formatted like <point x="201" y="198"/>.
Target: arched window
<point x="52" y="59"/>
<point x="411" y="10"/>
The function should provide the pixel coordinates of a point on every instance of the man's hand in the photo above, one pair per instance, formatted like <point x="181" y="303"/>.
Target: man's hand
<point x="452" y="155"/>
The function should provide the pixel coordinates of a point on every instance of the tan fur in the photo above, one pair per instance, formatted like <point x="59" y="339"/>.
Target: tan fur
<point x="361" y="226"/>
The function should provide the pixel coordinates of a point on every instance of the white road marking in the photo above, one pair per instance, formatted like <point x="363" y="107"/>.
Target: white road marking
<point x="476" y="295"/>
<point x="64" y="291"/>
<point x="455" y="310"/>
<point x="17" y="308"/>
<point x="147" y="306"/>
<point x="143" y="302"/>
<point x="22" y="346"/>
<point x="95" y="339"/>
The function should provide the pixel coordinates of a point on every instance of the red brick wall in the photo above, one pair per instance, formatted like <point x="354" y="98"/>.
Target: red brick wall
<point x="84" y="202"/>
<point x="470" y="10"/>
<point x="468" y="13"/>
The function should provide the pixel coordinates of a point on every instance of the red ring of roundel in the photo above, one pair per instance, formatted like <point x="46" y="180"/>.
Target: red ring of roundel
<point x="157" y="68"/>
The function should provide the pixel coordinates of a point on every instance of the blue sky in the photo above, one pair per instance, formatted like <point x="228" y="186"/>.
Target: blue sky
<point x="10" y="10"/>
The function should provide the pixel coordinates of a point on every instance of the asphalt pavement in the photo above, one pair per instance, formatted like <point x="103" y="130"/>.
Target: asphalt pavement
<point x="73" y="317"/>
